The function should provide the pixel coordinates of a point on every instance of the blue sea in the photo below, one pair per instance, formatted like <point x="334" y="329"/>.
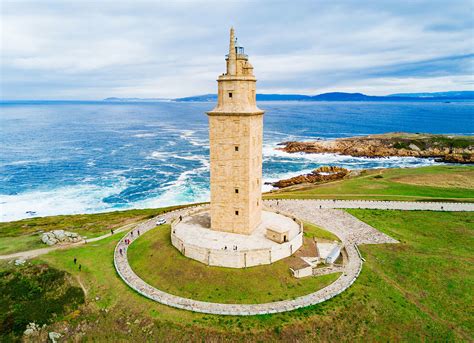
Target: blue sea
<point x="87" y="157"/>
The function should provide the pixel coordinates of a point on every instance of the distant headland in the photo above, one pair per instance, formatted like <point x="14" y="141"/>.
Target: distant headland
<point x="334" y="96"/>
<point x="444" y="148"/>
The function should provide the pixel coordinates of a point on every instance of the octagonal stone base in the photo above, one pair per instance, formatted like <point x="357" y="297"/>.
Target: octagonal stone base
<point x="193" y="237"/>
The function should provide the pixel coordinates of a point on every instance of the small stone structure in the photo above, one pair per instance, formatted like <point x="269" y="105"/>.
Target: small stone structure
<point x="60" y="237"/>
<point x="279" y="235"/>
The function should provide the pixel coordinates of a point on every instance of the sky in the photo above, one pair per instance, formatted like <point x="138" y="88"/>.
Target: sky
<point x="166" y="49"/>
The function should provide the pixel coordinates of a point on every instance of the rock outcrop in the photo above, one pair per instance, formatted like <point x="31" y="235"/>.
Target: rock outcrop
<point x="60" y="237"/>
<point x="322" y="174"/>
<point x="452" y="149"/>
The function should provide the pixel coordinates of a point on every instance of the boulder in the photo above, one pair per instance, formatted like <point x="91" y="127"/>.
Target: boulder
<point x="32" y="329"/>
<point x="53" y="336"/>
<point x="60" y="237"/>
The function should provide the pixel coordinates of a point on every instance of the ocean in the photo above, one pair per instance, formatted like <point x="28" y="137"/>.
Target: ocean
<point x="87" y="157"/>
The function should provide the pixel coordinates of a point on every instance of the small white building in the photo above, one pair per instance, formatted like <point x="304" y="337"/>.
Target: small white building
<point x="278" y="234"/>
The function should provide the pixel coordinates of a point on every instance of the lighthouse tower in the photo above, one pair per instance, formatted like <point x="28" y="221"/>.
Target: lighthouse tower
<point x="235" y="139"/>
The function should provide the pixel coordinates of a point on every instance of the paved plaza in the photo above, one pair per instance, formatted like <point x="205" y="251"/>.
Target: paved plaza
<point x="195" y="230"/>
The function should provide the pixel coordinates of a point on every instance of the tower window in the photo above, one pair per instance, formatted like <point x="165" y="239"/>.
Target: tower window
<point x="230" y="94"/>
<point x="236" y="213"/>
<point x="236" y="148"/>
<point x="236" y="191"/>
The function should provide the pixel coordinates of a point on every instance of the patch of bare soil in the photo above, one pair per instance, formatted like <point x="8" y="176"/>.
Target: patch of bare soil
<point x="444" y="180"/>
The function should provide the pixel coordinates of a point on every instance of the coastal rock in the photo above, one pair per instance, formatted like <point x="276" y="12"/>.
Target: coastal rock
<point x="453" y="149"/>
<point x="319" y="175"/>
<point x="60" y="237"/>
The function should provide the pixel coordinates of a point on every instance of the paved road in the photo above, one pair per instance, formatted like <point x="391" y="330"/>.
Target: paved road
<point x="381" y="205"/>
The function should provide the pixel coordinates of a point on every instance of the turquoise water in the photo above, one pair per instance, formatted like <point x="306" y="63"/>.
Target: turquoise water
<point x="86" y="157"/>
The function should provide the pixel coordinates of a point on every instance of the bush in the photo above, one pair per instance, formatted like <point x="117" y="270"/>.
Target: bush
<point x="34" y="293"/>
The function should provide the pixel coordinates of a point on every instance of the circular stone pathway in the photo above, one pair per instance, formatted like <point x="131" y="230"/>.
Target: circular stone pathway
<point x="349" y="229"/>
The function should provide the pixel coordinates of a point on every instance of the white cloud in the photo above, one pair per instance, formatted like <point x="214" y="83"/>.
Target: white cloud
<point x="91" y="50"/>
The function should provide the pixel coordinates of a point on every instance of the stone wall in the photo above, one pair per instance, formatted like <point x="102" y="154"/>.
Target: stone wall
<point x="239" y="258"/>
<point x="236" y="258"/>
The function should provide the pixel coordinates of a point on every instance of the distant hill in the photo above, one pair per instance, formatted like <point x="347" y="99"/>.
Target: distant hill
<point x="340" y="96"/>
<point x="334" y="96"/>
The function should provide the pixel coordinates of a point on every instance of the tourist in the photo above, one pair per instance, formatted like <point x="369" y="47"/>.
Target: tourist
<point x="75" y="260"/>
<point x="111" y="231"/>
<point x="138" y="231"/>
<point x="180" y="218"/>
<point x="131" y="234"/>
<point x="80" y="267"/>
<point x="120" y="251"/>
<point x="225" y="247"/>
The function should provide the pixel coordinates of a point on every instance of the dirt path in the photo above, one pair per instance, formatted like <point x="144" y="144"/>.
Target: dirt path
<point x="37" y="252"/>
<point x="84" y="289"/>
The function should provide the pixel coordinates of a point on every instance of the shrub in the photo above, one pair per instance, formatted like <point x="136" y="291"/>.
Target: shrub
<point x="34" y="293"/>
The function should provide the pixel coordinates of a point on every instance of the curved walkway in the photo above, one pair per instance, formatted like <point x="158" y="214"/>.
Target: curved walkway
<point x="351" y="272"/>
<point x="324" y="213"/>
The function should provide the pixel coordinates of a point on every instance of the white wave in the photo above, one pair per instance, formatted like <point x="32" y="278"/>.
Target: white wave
<point x="177" y="192"/>
<point x="145" y="135"/>
<point x="38" y="161"/>
<point x="64" y="200"/>
<point x="159" y="155"/>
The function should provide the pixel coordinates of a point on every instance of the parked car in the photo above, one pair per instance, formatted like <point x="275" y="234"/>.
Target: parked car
<point x="161" y="221"/>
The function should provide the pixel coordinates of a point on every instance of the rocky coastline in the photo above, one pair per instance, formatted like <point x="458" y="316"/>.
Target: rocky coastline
<point x="444" y="148"/>
<point x="319" y="175"/>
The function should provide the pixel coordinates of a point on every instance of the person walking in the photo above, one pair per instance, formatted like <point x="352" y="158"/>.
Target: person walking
<point x="111" y="231"/>
<point x="75" y="260"/>
<point x="120" y="251"/>
<point x="80" y="267"/>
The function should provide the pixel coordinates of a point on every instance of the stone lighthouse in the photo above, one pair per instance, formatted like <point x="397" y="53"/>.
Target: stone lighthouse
<point x="235" y="139"/>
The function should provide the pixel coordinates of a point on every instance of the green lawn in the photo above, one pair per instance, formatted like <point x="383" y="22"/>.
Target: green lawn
<point x="313" y="231"/>
<point x="153" y="258"/>
<point x="393" y="184"/>
<point x="418" y="290"/>
<point x="433" y="266"/>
